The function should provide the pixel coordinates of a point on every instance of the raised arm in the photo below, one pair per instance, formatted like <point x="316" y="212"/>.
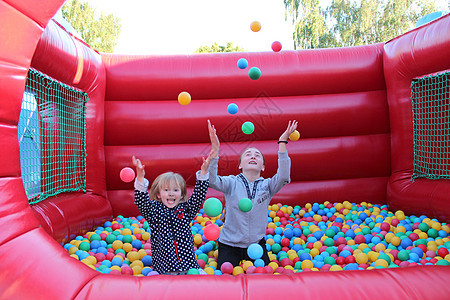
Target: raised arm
<point x="283" y="175"/>
<point x="216" y="182"/>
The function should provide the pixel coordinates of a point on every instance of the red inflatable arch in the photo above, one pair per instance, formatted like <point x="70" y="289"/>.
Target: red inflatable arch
<point x="355" y="115"/>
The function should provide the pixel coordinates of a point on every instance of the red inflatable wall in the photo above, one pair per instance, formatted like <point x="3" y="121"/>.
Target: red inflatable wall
<point x="354" y="117"/>
<point x="420" y="52"/>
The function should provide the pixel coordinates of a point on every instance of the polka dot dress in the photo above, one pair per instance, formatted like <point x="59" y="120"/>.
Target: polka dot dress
<point x="171" y="236"/>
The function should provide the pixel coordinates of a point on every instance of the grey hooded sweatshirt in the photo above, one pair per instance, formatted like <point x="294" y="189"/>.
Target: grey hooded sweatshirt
<point x="241" y="229"/>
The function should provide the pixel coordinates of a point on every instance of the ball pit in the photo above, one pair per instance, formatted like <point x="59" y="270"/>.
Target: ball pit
<point x="316" y="237"/>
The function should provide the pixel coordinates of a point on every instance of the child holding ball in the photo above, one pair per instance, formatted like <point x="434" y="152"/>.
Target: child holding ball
<point x="169" y="213"/>
<point x="241" y="229"/>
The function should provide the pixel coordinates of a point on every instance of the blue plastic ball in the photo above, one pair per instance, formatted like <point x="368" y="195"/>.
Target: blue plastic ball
<point x="255" y="251"/>
<point x="147" y="260"/>
<point x="232" y="108"/>
<point x="259" y="263"/>
<point x="242" y="63"/>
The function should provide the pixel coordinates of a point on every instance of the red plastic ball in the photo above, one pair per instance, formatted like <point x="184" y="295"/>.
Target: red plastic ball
<point x="279" y="270"/>
<point x="285" y="242"/>
<point x="442" y="252"/>
<point x="125" y="270"/>
<point x="286" y="262"/>
<point x="127" y="174"/>
<point x="340" y="260"/>
<point x="201" y="263"/>
<point x="276" y="46"/>
<point x="260" y="270"/>
<point x="211" y="232"/>
<point x="226" y="268"/>
<point x="350" y="259"/>
<point x="268" y="269"/>
<point x="385" y="226"/>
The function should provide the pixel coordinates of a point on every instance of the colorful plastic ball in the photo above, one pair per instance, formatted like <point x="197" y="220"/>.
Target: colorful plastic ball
<point x="226" y="268"/>
<point x="85" y="246"/>
<point x="245" y="204"/>
<point x="212" y="207"/>
<point x="254" y="73"/>
<point x="232" y="108"/>
<point x="248" y="127"/>
<point x="211" y="232"/>
<point x="193" y="271"/>
<point x="242" y="63"/>
<point x="147" y="260"/>
<point x="184" y="98"/>
<point x="294" y="136"/>
<point x="276" y="46"/>
<point x="255" y="251"/>
<point x="259" y="263"/>
<point x="127" y="174"/>
<point x="255" y="26"/>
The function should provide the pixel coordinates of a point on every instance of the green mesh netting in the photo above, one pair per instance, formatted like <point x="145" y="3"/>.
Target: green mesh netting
<point x="430" y="97"/>
<point x="52" y="137"/>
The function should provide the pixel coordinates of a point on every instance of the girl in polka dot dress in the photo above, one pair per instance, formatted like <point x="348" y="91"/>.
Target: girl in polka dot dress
<point x="169" y="213"/>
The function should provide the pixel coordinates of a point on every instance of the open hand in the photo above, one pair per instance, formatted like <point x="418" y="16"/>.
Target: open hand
<point x="140" y="169"/>
<point x="292" y="126"/>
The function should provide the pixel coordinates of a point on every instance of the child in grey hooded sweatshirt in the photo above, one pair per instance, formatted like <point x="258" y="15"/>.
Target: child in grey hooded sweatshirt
<point x="241" y="229"/>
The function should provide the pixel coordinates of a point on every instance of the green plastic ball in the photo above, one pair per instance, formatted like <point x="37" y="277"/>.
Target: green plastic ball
<point x="127" y="238"/>
<point x="95" y="237"/>
<point x="424" y="227"/>
<point x="442" y="262"/>
<point x="193" y="271"/>
<point x="245" y="204"/>
<point x="212" y="207"/>
<point x="85" y="246"/>
<point x="254" y="73"/>
<point x="248" y="127"/>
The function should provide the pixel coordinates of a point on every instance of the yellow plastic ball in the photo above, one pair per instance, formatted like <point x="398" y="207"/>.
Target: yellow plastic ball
<point x="306" y="264"/>
<point x="336" y="268"/>
<point x="137" y="270"/>
<point x="381" y="262"/>
<point x="294" y="136"/>
<point x="117" y="245"/>
<point x="255" y="26"/>
<point x="146" y="236"/>
<point x="184" y="98"/>
<point x="126" y="231"/>
<point x="137" y="263"/>
<point x="247" y="264"/>
<point x="237" y="270"/>
<point x="133" y="255"/>
<point x="209" y="271"/>
<point x="198" y="239"/>
<point x="127" y="247"/>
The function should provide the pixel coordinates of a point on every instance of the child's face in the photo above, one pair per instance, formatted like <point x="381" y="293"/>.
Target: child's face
<point x="252" y="159"/>
<point x="170" y="195"/>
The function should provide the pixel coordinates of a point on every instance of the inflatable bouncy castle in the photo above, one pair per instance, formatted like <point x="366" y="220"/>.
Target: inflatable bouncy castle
<point x="359" y="142"/>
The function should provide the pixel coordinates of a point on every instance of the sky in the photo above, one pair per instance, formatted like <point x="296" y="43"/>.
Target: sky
<point x="182" y="26"/>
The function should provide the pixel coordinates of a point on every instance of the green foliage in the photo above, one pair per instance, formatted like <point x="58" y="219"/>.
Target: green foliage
<point x="350" y="23"/>
<point x="216" y="48"/>
<point x="101" y="33"/>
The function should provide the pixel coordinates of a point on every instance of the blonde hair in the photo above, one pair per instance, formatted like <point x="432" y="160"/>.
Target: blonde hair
<point x="240" y="157"/>
<point x="168" y="179"/>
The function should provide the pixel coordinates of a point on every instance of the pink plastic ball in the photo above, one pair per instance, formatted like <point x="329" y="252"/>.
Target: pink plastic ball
<point x="276" y="46"/>
<point x="211" y="232"/>
<point x="226" y="268"/>
<point x="127" y="174"/>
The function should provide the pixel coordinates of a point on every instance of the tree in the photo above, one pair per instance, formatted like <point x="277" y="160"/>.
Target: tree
<point x="216" y="48"/>
<point x="351" y="23"/>
<point x="101" y="33"/>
